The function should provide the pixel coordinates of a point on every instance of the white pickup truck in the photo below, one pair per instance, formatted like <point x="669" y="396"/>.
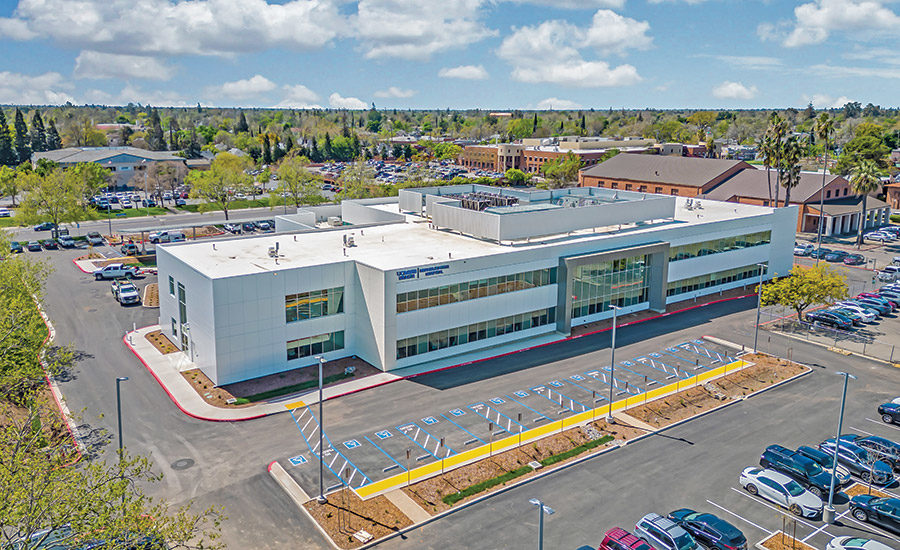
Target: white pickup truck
<point x="125" y="292"/>
<point x="116" y="271"/>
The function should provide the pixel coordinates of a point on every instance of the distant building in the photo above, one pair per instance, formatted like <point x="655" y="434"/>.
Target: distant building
<point x="665" y="175"/>
<point x="123" y="162"/>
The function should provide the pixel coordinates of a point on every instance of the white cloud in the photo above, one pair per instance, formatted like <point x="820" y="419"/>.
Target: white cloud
<point x="44" y="89"/>
<point x="243" y="89"/>
<point x="673" y="1"/>
<point x="825" y="101"/>
<point x="465" y="72"/>
<point x="575" y="4"/>
<point x="298" y="96"/>
<point x="96" y="65"/>
<point x="395" y="92"/>
<point x="176" y="27"/>
<point x="734" y="90"/>
<point x="836" y="71"/>
<point x="815" y="21"/>
<point x="885" y="55"/>
<point x="339" y="102"/>
<point x="549" y="52"/>
<point x="157" y="98"/>
<point x="554" y="103"/>
<point x="408" y="30"/>
<point x="754" y="62"/>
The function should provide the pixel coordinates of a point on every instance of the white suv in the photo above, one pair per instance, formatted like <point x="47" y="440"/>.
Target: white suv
<point x="664" y="533"/>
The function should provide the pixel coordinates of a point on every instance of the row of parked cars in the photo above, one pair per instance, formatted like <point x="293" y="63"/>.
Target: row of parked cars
<point x="829" y="255"/>
<point x="264" y="226"/>
<point x="864" y="308"/>
<point x="63" y="241"/>
<point x="683" y="529"/>
<point x="887" y="234"/>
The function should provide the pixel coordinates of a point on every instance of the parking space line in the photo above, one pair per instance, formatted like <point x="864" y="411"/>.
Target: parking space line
<point x="859" y="430"/>
<point x="384" y="453"/>
<point x="529" y="408"/>
<point x="495" y="421"/>
<point x="461" y="428"/>
<point x="601" y="376"/>
<point x="763" y="529"/>
<point x="883" y="424"/>
<point x="824" y="525"/>
<point x="592" y="392"/>
<point x="874" y="528"/>
<point x="539" y="390"/>
<point x="405" y="434"/>
<point x="780" y="511"/>
<point x="680" y="371"/>
<point x="665" y="366"/>
<point x="646" y="377"/>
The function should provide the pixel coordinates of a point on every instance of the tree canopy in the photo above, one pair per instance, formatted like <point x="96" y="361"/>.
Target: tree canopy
<point x="227" y="176"/>
<point x="804" y="287"/>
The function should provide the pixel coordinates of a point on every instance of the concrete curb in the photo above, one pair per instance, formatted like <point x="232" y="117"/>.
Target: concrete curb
<point x="289" y="486"/>
<point x="832" y="348"/>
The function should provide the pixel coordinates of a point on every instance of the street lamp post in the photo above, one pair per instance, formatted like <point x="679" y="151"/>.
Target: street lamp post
<point x="828" y="513"/>
<point x="119" y="381"/>
<point x="542" y="509"/>
<point x="612" y="365"/>
<point x="762" y="270"/>
<point x="321" y="499"/>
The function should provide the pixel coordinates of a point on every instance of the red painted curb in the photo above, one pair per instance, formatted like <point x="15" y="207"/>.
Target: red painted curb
<point x="62" y="413"/>
<point x="269" y="467"/>
<point x="79" y="267"/>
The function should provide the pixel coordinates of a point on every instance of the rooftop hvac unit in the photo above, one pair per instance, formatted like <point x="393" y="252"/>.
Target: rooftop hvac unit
<point x="335" y="221"/>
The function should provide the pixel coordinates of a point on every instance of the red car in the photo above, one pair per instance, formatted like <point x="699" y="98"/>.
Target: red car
<point x="620" y="539"/>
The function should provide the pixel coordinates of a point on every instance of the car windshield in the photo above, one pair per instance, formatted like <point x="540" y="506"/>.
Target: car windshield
<point x="794" y="488"/>
<point x="813" y="468"/>
<point x="685" y="542"/>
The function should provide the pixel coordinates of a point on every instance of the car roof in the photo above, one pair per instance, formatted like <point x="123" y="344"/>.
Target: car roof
<point x="663" y="523"/>
<point x="775" y="476"/>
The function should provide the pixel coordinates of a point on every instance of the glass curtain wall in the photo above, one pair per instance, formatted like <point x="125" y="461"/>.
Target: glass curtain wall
<point x="316" y="303"/>
<point x="622" y="283"/>
<point x="717" y="246"/>
<point x="315" y="345"/>
<point x="712" y="279"/>
<point x="470" y="290"/>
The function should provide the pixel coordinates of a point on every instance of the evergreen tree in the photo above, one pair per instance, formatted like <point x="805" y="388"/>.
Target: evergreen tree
<point x="354" y="145"/>
<point x="23" y="150"/>
<point x="314" y="154"/>
<point x="266" y="150"/>
<point x="53" y="140"/>
<point x="193" y="148"/>
<point x="174" y="144"/>
<point x="289" y="143"/>
<point x="199" y="108"/>
<point x="242" y="125"/>
<point x="583" y="126"/>
<point x="38" y="133"/>
<point x="155" y="137"/>
<point x="327" y="152"/>
<point x="7" y="155"/>
<point x="534" y="124"/>
<point x="407" y="152"/>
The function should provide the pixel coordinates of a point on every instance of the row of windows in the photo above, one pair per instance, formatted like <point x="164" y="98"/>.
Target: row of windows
<point x="315" y="345"/>
<point x="640" y="188"/>
<point x="449" y="294"/>
<point x="716" y="246"/>
<point x="622" y="283"/>
<point x="713" y="279"/>
<point x="317" y="303"/>
<point x="416" y="345"/>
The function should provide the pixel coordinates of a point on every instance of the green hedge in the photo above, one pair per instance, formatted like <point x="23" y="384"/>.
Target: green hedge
<point x="453" y="498"/>
<point x="278" y="392"/>
<point x="577" y="450"/>
<point x="895" y="218"/>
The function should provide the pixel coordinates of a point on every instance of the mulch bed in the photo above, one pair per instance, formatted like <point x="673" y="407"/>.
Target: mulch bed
<point x="299" y="375"/>
<point x="121" y="260"/>
<point x="781" y="541"/>
<point x="212" y="394"/>
<point x="345" y="514"/>
<point x="91" y="256"/>
<point x="862" y="489"/>
<point x="151" y="295"/>
<point x="161" y="342"/>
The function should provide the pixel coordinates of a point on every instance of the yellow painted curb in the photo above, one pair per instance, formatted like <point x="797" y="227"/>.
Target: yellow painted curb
<point x="294" y="405"/>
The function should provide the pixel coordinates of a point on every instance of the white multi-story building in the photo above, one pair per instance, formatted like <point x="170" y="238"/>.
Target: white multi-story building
<point x="447" y="275"/>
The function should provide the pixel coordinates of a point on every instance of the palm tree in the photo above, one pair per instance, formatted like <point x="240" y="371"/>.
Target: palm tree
<point x="765" y="149"/>
<point x="823" y="129"/>
<point x="864" y="181"/>
<point x="790" y="167"/>
<point x="774" y="151"/>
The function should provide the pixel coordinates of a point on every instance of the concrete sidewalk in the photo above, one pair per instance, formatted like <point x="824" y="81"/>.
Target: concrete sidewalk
<point x="167" y="370"/>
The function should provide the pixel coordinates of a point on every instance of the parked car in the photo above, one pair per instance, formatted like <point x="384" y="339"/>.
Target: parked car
<point x="95" y="239"/>
<point x="835" y="256"/>
<point x="876" y="297"/>
<point x="180" y="202"/>
<point x="884" y="512"/>
<point x="878" y="236"/>
<point x="33" y="246"/>
<point x="882" y="308"/>
<point x="65" y="241"/>
<point x="826" y="461"/>
<point x="166" y="236"/>
<point x="855" y="259"/>
<point x="232" y="227"/>
<point x="866" y="312"/>
<point x="620" y="539"/>
<point x="860" y="462"/>
<point x="45" y="226"/>
<point x="782" y="490"/>
<point x="125" y="292"/>
<point x="5" y="213"/>
<point x="799" y="250"/>
<point x="890" y="413"/>
<point x="248" y="227"/>
<point x="116" y="271"/>
<point x="664" y="533"/>
<point x="805" y="471"/>
<point x="884" y="449"/>
<point x="148" y="203"/>
<point x="16" y="247"/>
<point x="49" y="244"/>
<point x="829" y="319"/>
<point x="130" y="249"/>
<point x="890" y="294"/>
<point x="847" y="314"/>
<point x="855" y="543"/>
<point x="889" y="273"/>
<point x="819" y="253"/>
<point x="709" y="530"/>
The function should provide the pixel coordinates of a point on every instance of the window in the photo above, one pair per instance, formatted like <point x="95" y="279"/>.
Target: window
<point x="614" y="185"/>
<point x="674" y="191"/>
<point x="171" y="286"/>
<point x="174" y="327"/>
<point x="713" y="279"/>
<point x="658" y="190"/>
<point x="315" y="345"/>
<point x="313" y="304"/>
<point x="182" y="304"/>
<point x="828" y="194"/>
<point x="717" y="246"/>
<point x="442" y="339"/>
<point x="628" y="187"/>
<point x="642" y="188"/>
<point x="470" y="290"/>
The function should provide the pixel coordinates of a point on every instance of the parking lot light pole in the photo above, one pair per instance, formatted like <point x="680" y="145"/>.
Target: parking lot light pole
<point x="542" y="509"/>
<point x="762" y="270"/>
<point x="612" y="365"/>
<point x="119" y="381"/>
<point x="828" y="512"/>
<point x="321" y="499"/>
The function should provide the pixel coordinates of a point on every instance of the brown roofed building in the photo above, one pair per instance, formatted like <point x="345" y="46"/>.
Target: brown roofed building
<point x="665" y="175"/>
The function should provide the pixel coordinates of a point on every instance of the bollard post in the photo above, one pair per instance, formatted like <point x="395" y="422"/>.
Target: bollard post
<point x="443" y="456"/>
<point x="892" y="354"/>
<point x="408" y="466"/>
<point x="491" y="444"/>
<point x="593" y="405"/>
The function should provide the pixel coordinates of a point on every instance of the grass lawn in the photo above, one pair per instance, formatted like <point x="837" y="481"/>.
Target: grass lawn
<point x="234" y="205"/>
<point x="132" y="212"/>
<point x="8" y="222"/>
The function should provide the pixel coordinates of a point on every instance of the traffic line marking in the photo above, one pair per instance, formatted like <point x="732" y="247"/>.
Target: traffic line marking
<point x="780" y="511"/>
<point x="883" y="424"/>
<point x="763" y="529"/>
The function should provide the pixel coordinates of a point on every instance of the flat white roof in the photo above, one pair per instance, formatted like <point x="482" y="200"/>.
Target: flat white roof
<point x="401" y="245"/>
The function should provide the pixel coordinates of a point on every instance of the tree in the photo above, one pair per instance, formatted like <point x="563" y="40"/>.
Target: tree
<point x="823" y="129"/>
<point x="297" y="184"/>
<point x="805" y="286"/>
<point x="192" y="151"/>
<point x="864" y="181"/>
<point x="217" y="186"/>
<point x="356" y="181"/>
<point x="38" y="133"/>
<point x="789" y="171"/>
<point x="242" y="125"/>
<point x="8" y="183"/>
<point x="561" y="171"/>
<point x="90" y="176"/>
<point x="53" y="140"/>
<point x="867" y="144"/>
<point x="266" y="150"/>
<point x="174" y="143"/>
<point x="23" y="149"/>
<point x="162" y="176"/>
<point x="55" y="197"/>
<point x="514" y="176"/>
<point x="155" y="136"/>
<point x="7" y="153"/>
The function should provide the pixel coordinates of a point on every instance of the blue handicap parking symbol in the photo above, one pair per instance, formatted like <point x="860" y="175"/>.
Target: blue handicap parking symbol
<point x="457" y="412"/>
<point x="701" y="342"/>
<point x="429" y="420"/>
<point x="671" y="350"/>
<point x="383" y="434"/>
<point x="497" y="401"/>
<point x="521" y="394"/>
<point x="352" y="444"/>
<point x="577" y="377"/>
<point x="556" y="384"/>
<point x="654" y="354"/>
<point x="297" y="460"/>
<point x="628" y="363"/>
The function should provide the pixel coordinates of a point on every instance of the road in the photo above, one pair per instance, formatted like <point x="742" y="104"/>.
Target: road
<point x="229" y="459"/>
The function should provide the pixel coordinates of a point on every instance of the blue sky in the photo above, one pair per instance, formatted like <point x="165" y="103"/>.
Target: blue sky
<point x="451" y="53"/>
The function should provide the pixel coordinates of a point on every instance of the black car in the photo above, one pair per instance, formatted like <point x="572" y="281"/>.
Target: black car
<point x="50" y="244"/>
<point x="806" y="471"/>
<point x="884" y="449"/>
<point x="820" y="253"/>
<point x="248" y="227"/>
<point x="835" y="256"/>
<point x="709" y="530"/>
<point x="884" y="512"/>
<point x="16" y="247"/>
<point x="860" y="462"/>
<point x="45" y="226"/>
<point x="829" y="319"/>
<point x="890" y="412"/>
